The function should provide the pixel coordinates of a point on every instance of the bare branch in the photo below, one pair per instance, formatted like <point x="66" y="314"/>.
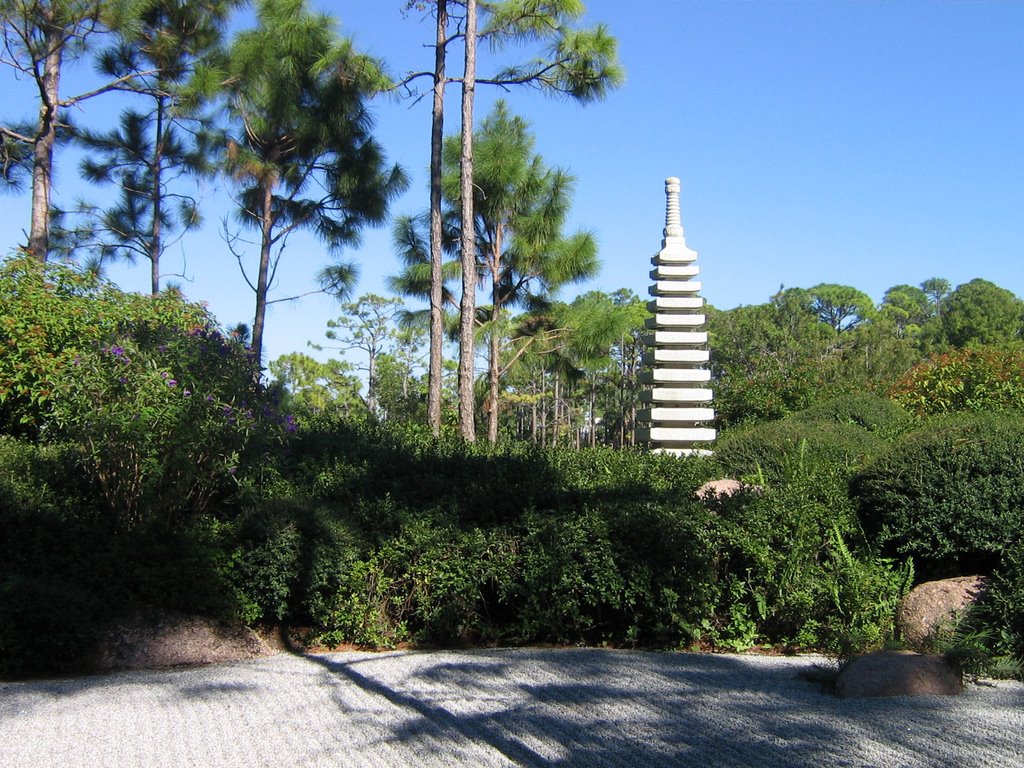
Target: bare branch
<point x="297" y="297"/>
<point x="230" y="239"/>
<point x="8" y="133"/>
<point x="114" y="85"/>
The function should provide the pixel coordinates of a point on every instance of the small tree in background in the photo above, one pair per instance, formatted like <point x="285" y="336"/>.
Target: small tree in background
<point x="519" y="249"/>
<point x="579" y="63"/>
<point x="980" y="312"/>
<point x="317" y="386"/>
<point x="368" y="325"/>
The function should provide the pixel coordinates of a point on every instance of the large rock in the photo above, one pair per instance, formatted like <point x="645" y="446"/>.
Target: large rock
<point x="718" y="489"/>
<point x="935" y="606"/>
<point x="898" y="673"/>
<point x="172" y="640"/>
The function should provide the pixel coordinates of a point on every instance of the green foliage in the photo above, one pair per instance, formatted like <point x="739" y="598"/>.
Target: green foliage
<point x="288" y="558"/>
<point x="1002" y="610"/>
<point x="432" y="582"/>
<point x="302" y="154"/>
<point x="908" y="308"/>
<point x="311" y="385"/>
<point x="63" y="578"/>
<point x="978" y="379"/>
<point x="769" y="451"/>
<point x="163" y="418"/>
<point x="764" y="358"/>
<point x="150" y="150"/>
<point x="865" y="593"/>
<point x="791" y="567"/>
<point x="872" y="412"/>
<point x="571" y="588"/>
<point x="948" y="494"/>
<point x="840" y="306"/>
<point x="980" y="312"/>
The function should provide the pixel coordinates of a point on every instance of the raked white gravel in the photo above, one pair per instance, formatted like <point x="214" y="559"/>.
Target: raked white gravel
<point x="531" y="707"/>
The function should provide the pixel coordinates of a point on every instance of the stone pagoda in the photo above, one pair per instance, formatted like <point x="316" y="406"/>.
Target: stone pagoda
<point x="675" y="361"/>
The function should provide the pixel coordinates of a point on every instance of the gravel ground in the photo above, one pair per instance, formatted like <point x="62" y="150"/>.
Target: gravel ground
<point x="531" y="707"/>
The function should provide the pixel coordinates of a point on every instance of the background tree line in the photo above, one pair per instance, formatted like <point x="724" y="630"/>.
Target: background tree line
<point x="568" y="371"/>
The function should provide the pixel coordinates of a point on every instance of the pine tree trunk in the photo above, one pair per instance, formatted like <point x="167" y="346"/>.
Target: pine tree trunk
<point x="46" y="140"/>
<point x="371" y="384"/>
<point x="158" y="162"/>
<point x="263" y="279"/>
<point x="436" y="364"/>
<point x="556" y="395"/>
<point x="494" y="353"/>
<point x="467" y="307"/>
<point x="493" y="360"/>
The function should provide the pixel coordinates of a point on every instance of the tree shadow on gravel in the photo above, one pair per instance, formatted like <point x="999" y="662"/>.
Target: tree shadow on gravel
<point x="574" y="707"/>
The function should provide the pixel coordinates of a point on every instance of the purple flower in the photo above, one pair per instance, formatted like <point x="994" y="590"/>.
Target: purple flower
<point x="172" y="383"/>
<point x="123" y="380"/>
<point x="117" y="351"/>
<point x="209" y="398"/>
<point x="187" y="393"/>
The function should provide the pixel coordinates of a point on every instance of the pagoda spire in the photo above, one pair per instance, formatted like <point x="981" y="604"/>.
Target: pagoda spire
<point x="675" y="363"/>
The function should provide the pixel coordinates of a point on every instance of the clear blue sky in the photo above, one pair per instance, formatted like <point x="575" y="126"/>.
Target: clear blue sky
<point x="862" y="143"/>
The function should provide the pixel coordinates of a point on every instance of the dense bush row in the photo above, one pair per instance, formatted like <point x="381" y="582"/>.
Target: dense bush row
<point x="509" y="545"/>
<point x="143" y="469"/>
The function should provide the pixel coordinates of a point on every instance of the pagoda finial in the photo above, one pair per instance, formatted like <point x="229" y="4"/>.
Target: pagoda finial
<point x="673" y="223"/>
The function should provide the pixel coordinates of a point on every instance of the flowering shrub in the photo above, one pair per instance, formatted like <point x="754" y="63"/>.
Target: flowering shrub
<point x="52" y="313"/>
<point x="163" y="405"/>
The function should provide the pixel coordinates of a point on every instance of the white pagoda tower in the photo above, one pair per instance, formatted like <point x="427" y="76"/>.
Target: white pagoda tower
<point x="675" y="362"/>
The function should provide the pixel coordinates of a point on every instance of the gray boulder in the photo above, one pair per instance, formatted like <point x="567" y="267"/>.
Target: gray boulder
<point x="898" y="673"/>
<point x="934" y="607"/>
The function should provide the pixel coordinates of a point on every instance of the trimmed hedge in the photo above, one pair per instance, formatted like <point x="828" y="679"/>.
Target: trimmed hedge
<point x="768" y="452"/>
<point x="870" y="411"/>
<point x="950" y="494"/>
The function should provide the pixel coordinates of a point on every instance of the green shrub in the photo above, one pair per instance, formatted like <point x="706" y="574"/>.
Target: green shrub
<point x="432" y="582"/>
<point x="65" y="575"/>
<point x="977" y="380"/>
<point x="870" y="411"/>
<point x="664" y="555"/>
<point x="791" y="566"/>
<point x="288" y="557"/>
<point x="863" y="593"/>
<point x="949" y="494"/>
<point x="47" y="479"/>
<point x="349" y="465"/>
<point x="768" y="452"/>
<point x="1001" y="613"/>
<point x="571" y="590"/>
